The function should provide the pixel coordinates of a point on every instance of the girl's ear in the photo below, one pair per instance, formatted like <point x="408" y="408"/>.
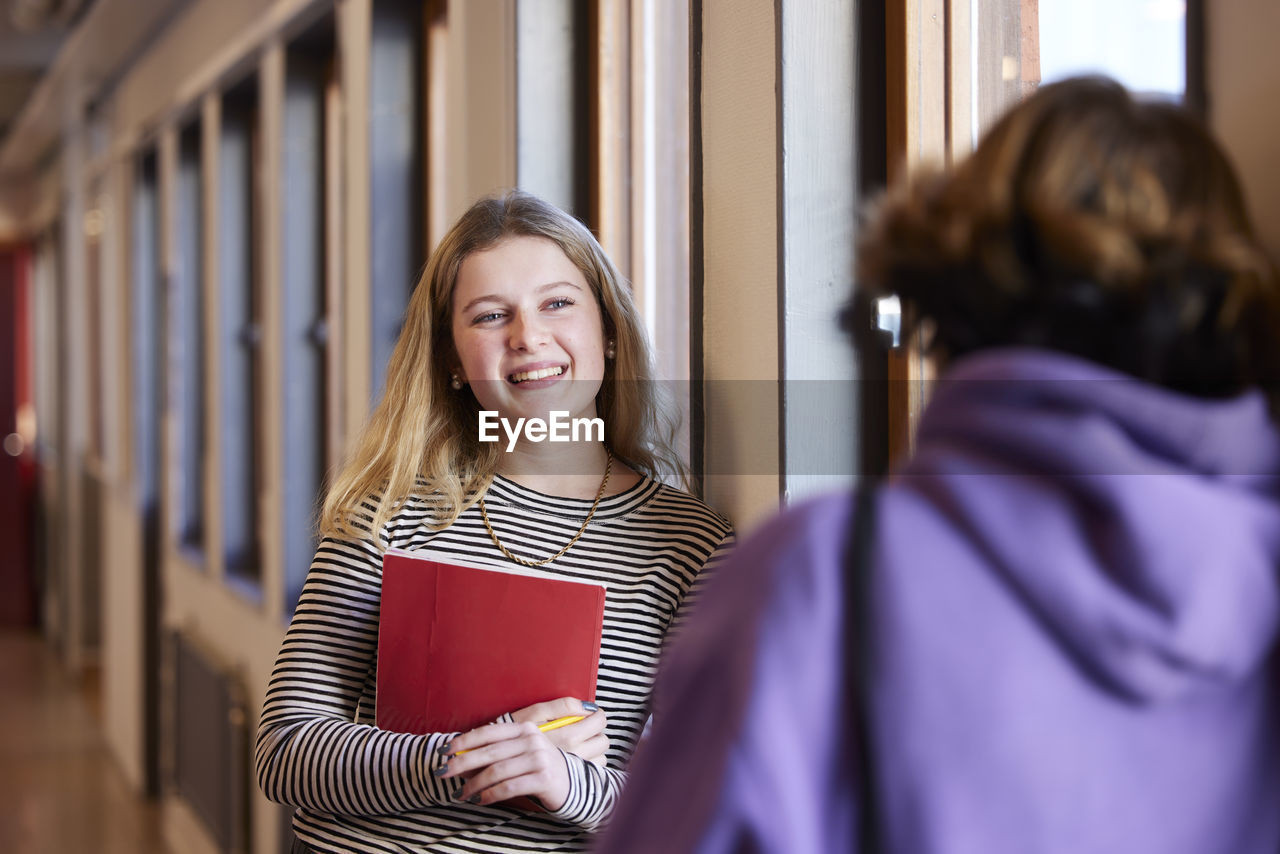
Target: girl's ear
<point x="453" y="367"/>
<point x="449" y="356"/>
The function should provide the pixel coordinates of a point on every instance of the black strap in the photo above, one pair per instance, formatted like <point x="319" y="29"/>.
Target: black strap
<point x="859" y="655"/>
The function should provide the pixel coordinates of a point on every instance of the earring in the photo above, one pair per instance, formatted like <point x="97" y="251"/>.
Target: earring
<point x="455" y="383"/>
<point x="611" y="352"/>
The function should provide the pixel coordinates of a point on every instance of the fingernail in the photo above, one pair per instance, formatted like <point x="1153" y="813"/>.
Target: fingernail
<point x="442" y="770"/>
<point x="443" y="749"/>
<point x="588" y="706"/>
<point x="474" y="799"/>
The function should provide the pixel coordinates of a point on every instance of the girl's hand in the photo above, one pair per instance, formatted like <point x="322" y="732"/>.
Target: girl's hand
<point x="504" y="761"/>
<point x="585" y="738"/>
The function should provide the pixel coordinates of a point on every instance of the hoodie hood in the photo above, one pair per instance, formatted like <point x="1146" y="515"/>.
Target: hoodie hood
<point x="1141" y="526"/>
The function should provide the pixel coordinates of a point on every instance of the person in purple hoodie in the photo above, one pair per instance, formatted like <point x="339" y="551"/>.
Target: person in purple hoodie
<point x="1057" y="632"/>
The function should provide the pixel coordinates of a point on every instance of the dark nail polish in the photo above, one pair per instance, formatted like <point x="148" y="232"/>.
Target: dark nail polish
<point x="588" y="706"/>
<point x="442" y="770"/>
<point x="443" y="749"/>
<point x="474" y="799"/>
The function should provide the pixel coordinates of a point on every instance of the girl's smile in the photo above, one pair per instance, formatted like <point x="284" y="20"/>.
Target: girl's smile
<point x="525" y="320"/>
<point x="537" y="375"/>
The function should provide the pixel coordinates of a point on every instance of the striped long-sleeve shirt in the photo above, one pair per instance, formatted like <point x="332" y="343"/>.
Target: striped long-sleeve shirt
<point x="362" y="789"/>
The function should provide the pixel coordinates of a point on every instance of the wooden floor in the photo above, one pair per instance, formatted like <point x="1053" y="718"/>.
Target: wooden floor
<point x="60" y="790"/>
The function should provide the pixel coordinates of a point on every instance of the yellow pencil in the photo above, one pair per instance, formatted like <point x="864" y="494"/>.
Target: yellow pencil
<point x="547" y="727"/>
<point x="559" y="722"/>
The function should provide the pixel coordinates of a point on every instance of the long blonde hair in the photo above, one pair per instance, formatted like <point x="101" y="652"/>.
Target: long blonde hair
<point x="422" y="438"/>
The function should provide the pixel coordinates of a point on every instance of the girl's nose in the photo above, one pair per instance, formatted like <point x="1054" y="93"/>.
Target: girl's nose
<point x="527" y="332"/>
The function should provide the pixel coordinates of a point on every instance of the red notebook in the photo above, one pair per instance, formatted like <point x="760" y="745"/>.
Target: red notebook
<point x="460" y="645"/>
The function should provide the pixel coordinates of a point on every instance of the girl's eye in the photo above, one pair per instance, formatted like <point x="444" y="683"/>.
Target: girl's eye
<point x="560" y="302"/>
<point x="487" y="317"/>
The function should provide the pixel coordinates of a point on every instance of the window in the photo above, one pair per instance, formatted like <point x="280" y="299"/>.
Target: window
<point x="397" y="253"/>
<point x="309" y="136"/>
<point x="818" y="193"/>
<point x="552" y="159"/>
<point x="240" y="332"/>
<point x="145" y="331"/>
<point x="188" y="341"/>
<point x="639" y="154"/>
<point x="954" y="82"/>
<point x="602" y="131"/>
<point x="641" y="142"/>
<point x="1141" y="43"/>
<point x="1003" y="49"/>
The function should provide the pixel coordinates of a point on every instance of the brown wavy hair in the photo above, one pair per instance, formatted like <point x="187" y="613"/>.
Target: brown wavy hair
<point x="1094" y="223"/>
<point x="422" y="437"/>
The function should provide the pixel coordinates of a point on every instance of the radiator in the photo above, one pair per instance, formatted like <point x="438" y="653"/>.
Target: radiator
<point x="208" y="750"/>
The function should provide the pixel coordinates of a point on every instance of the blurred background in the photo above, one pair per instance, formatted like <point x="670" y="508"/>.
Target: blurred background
<point x="212" y="213"/>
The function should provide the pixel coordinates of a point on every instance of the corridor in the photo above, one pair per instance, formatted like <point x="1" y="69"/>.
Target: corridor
<point x="60" y="790"/>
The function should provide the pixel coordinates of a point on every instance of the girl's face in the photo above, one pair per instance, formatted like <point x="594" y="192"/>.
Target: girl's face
<point x="528" y="331"/>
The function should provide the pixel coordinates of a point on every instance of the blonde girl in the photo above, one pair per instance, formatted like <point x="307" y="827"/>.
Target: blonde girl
<point x="518" y="313"/>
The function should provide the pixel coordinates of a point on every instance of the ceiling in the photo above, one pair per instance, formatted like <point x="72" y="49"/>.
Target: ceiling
<point x="31" y="33"/>
<point x="70" y="54"/>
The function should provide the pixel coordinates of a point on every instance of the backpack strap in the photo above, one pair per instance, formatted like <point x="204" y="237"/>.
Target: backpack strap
<point x="859" y="656"/>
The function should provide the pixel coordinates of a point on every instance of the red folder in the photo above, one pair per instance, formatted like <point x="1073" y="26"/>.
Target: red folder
<point x="460" y="645"/>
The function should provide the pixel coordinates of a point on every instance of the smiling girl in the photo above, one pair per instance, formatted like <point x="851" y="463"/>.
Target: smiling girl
<point x="519" y="312"/>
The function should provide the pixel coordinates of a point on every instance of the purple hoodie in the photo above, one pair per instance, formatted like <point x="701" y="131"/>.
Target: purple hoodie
<point x="1074" y="608"/>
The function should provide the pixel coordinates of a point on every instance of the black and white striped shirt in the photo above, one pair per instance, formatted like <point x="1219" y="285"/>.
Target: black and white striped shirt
<point x="361" y="789"/>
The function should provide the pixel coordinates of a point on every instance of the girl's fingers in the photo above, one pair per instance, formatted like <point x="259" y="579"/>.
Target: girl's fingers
<point x="552" y="709"/>
<point x="522" y="765"/>
<point x="592" y="725"/>
<point x="488" y="734"/>
<point x="488" y="744"/>
<point x="528" y="785"/>
<point x="503" y="761"/>
<point x="540" y="774"/>
<point x="570" y="737"/>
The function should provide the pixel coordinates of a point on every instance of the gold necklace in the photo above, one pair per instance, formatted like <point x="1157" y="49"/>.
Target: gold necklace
<point x="608" y="465"/>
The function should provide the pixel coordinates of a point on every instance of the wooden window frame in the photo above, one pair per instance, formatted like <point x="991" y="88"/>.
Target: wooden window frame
<point x="929" y="121"/>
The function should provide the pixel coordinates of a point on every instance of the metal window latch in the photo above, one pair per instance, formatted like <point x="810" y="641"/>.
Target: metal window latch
<point x="250" y="335"/>
<point x="318" y="332"/>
